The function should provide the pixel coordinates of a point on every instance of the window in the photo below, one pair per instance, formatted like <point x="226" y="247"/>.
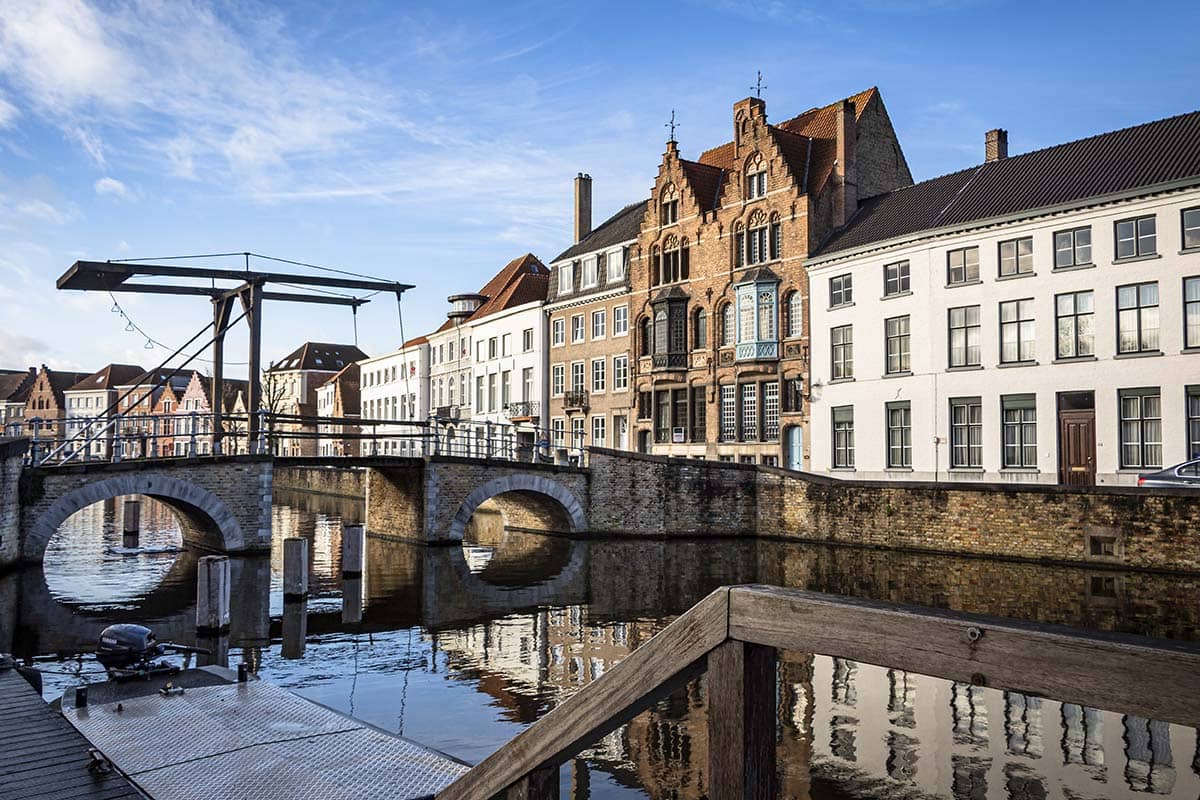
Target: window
<point x="1141" y="428"/>
<point x="670" y="205"/>
<point x="964" y="336"/>
<point x="620" y="320"/>
<point x="492" y="347"/>
<point x="1191" y="312"/>
<point x="843" y="437"/>
<point x="506" y="345"/>
<point x="1136" y="238"/>
<point x="771" y="411"/>
<point x="757" y="238"/>
<point x="505" y="387"/>
<point x="1075" y="321"/>
<point x="756" y="177"/>
<point x="899" y="435"/>
<point x="558" y="429"/>
<point x="598" y="432"/>
<point x="527" y="384"/>
<point x="795" y="315"/>
<point x="1019" y="420"/>
<point x="1137" y="318"/>
<point x="1190" y="218"/>
<point x="577" y="384"/>
<point x="728" y="412"/>
<point x="895" y="279"/>
<point x="1016" y="331"/>
<point x="962" y="266"/>
<point x="577" y="331"/>
<point x="620" y="373"/>
<point x="558" y="332"/>
<point x="527" y="340"/>
<point x="566" y="278"/>
<point x="1073" y="248"/>
<point x="599" y="372"/>
<point x="841" y="291"/>
<point x="479" y="393"/>
<point x="700" y="329"/>
<point x="841" y="340"/>
<point x="699" y="411"/>
<point x="728" y="335"/>
<point x="966" y="432"/>
<point x="616" y="266"/>
<point x="776" y="237"/>
<point x="591" y="277"/>
<point x="1016" y="257"/>
<point x="492" y="391"/>
<point x="897" y="344"/>
<point x="749" y="412"/>
<point x="557" y="380"/>
<point x="646" y="335"/>
<point x="599" y="323"/>
<point x="1193" y="422"/>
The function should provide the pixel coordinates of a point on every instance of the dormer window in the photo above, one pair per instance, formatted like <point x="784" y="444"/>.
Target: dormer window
<point x="566" y="278"/>
<point x="756" y="177"/>
<point x="670" y="206"/>
<point x="590" y="273"/>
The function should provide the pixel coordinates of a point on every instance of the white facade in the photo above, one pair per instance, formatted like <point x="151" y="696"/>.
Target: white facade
<point x="1027" y="372"/>
<point x="83" y="408"/>
<point x="450" y="358"/>
<point x="508" y="366"/>
<point x="395" y="387"/>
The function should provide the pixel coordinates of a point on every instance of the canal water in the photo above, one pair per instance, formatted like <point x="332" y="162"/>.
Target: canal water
<point x="462" y="649"/>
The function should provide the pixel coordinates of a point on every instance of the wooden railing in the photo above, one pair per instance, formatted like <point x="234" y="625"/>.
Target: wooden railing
<point x="733" y="635"/>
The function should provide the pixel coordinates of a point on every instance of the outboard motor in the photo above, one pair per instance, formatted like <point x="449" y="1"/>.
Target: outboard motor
<point x="129" y="651"/>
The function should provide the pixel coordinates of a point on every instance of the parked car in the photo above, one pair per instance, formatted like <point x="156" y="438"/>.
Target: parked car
<point x="1185" y="475"/>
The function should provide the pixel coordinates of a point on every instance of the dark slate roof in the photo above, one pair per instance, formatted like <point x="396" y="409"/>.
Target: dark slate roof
<point x="620" y="227"/>
<point x="1126" y="160"/>
<point x="320" y="356"/>
<point x="110" y="377"/>
<point x="15" y="386"/>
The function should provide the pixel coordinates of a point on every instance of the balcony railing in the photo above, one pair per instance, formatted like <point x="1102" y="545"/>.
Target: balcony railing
<point x="670" y="360"/>
<point x="752" y="351"/>
<point x="523" y="409"/>
<point x="577" y="398"/>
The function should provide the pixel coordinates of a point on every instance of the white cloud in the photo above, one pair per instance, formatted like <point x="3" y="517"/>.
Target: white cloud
<point x="8" y="113"/>
<point x="112" y="187"/>
<point x="40" y="209"/>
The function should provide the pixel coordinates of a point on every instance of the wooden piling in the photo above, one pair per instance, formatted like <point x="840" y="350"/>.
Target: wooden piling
<point x="352" y="599"/>
<point x="295" y="628"/>
<point x="741" y="721"/>
<point x="131" y="523"/>
<point x="212" y="596"/>
<point x="353" y="551"/>
<point x="295" y="568"/>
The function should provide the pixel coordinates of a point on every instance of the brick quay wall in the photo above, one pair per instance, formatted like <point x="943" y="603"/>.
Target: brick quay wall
<point x="1110" y="526"/>
<point x="338" y="481"/>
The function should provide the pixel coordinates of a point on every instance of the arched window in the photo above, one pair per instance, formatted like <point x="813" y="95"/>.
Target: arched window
<point x="644" y="330"/>
<point x="756" y="176"/>
<point x="673" y="266"/>
<point x="756" y="241"/>
<point x="660" y="330"/>
<point x="728" y="334"/>
<point x="700" y="329"/>
<point x="795" y="320"/>
<point x="655" y="266"/>
<point x="776" y="237"/>
<point x="739" y="245"/>
<point x="669" y="205"/>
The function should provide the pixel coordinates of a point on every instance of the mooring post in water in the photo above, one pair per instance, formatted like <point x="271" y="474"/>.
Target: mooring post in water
<point x="295" y="627"/>
<point x="295" y="568"/>
<point x="352" y="599"/>
<point x="131" y="523"/>
<point x="212" y="596"/>
<point x="353" y="550"/>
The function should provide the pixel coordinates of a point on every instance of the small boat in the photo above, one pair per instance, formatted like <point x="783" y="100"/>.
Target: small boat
<point x="138" y="551"/>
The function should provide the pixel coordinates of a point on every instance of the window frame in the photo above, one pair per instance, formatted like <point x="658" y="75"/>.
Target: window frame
<point x="1016" y="243"/>
<point x="966" y="279"/>
<point x="1139" y="310"/>
<point x="620" y="369"/>
<point x="1075" y="247"/>
<point x="1191" y="399"/>
<point x="1191" y="333"/>
<point x="558" y="332"/>
<point x="972" y="428"/>
<point x="844" y="290"/>
<point x="620" y="320"/>
<point x="580" y="329"/>
<point x="599" y="331"/>
<point x="1075" y="315"/>
<point x="1021" y="427"/>
<point x="966" y="327"/>
<point x="903" y="278"/>
<point x="558" y="380"/>
<point x="1183" y="229"/>
<point x="846" y="359"/>
<point x="1019" y="323"/>
<point x="1138" y="236"/>
<point x="842" y="437"/>
<point x="902" y="339"/>
<point x="1142" y="422"/>
<point x="598" y="375"/>
<point x="904" y="445"/>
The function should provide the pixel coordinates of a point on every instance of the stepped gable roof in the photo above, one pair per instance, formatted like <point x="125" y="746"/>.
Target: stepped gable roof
<point x="522" y="280"/>
<point x="808" y="143"/>
<point x="623" y="226"/>
<point x="1125" y="160"/>
<point x="320" y="356"/>
<point x="15" y="386"/>
<point x="109" y="377"/>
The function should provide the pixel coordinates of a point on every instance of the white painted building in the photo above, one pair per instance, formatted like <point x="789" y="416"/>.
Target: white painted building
<point x="395" y="386"/>
<point x="1033" y="319"/>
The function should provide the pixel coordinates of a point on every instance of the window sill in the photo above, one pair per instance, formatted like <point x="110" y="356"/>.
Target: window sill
<point x="1072" y="359"/>
<point x="897" y="294"/>
<point x="965" y="368"/>
<point x="897" y="469"/>
<point x="1145" y="354"/>
<point x="842" y="469"/>
<point x="840" y="380"/>
<point x="1132" y="259"/>
<point x="966" y="470"/>
<point x="1018" y="276"/>
<point x="975" y="282"/>
<point x="905" y="374"/>
<point x="1012" y="364"/>
<point x="840" y="305"/>
<point x="1019" y="470"/>
<point x="1075" y="267"/>
<point x="1189" y="351"/>
<point x="1187" y="251"/>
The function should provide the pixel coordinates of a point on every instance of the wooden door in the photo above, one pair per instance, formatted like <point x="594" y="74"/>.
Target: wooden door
<point x="1077" y="447"/>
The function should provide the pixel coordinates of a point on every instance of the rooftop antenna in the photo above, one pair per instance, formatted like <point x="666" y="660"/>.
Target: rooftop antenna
<point x="672" y="125"/>
<point x="758" y="86"/>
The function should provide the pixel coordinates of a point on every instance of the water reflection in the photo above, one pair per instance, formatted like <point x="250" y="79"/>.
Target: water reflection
<point x="463" y="648"/>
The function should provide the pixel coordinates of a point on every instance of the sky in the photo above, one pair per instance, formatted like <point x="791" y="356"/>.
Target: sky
<point x="431" y="144"/>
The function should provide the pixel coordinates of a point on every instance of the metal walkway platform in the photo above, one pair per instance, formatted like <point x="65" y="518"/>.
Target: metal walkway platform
<point x="253" y="741"/>
<point x="42" y="756"/>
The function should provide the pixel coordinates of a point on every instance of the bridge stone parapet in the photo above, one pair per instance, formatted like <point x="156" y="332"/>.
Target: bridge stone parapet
<point x="12" y="453"/>
<point x="223" y="503"/>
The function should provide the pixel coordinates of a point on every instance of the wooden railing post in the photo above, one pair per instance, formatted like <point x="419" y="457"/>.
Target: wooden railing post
<point x="541" y="784"/>
<point x="741" y="721"/>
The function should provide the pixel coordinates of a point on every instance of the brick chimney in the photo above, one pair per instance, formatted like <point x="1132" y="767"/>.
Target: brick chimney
<point x="996" y="144"/>
<point x="583" y="206"/>
<point x="845" y="168"/>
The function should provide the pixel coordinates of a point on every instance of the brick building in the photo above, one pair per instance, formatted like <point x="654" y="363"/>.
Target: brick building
<point x="90" y="406"/>
<point x="339" y="398"/>
<point x="46" y="405"/>
<point x="718" y="288"/>
<point x="588" y="309"/>
<point x="290" y="389"/>
<point x="14" y="391"/>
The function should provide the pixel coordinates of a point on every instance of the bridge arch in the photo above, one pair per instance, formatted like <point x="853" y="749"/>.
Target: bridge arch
<point x="204" y="519"/>
<point x="534" y="487"/>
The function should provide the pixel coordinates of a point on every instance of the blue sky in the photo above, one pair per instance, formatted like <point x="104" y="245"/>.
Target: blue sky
<point x="431" y="144"/>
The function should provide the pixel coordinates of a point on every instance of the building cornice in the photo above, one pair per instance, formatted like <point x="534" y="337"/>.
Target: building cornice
<point x="582" y="300"/>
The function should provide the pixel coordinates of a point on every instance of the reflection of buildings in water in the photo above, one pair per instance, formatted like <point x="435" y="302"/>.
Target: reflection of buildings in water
<point x="324" y="534"/>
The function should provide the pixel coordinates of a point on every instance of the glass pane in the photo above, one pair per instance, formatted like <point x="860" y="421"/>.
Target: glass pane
<point x="1086" y="335"/>
<point x="1150" y="329"/>
<point x="1066" y="304"/>
<point x="1126" y="296"/>
<point x="1148" y="294"/>
<point x="1008" y="312"/>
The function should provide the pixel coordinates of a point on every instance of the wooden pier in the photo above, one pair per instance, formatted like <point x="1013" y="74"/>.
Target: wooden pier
<point x="42" y="755"/>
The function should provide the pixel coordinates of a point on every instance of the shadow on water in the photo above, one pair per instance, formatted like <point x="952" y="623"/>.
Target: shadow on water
<point x="463" y="647"/>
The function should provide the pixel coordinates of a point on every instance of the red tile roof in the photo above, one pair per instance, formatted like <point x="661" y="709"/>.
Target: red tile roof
<point x="522" y="280"/>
